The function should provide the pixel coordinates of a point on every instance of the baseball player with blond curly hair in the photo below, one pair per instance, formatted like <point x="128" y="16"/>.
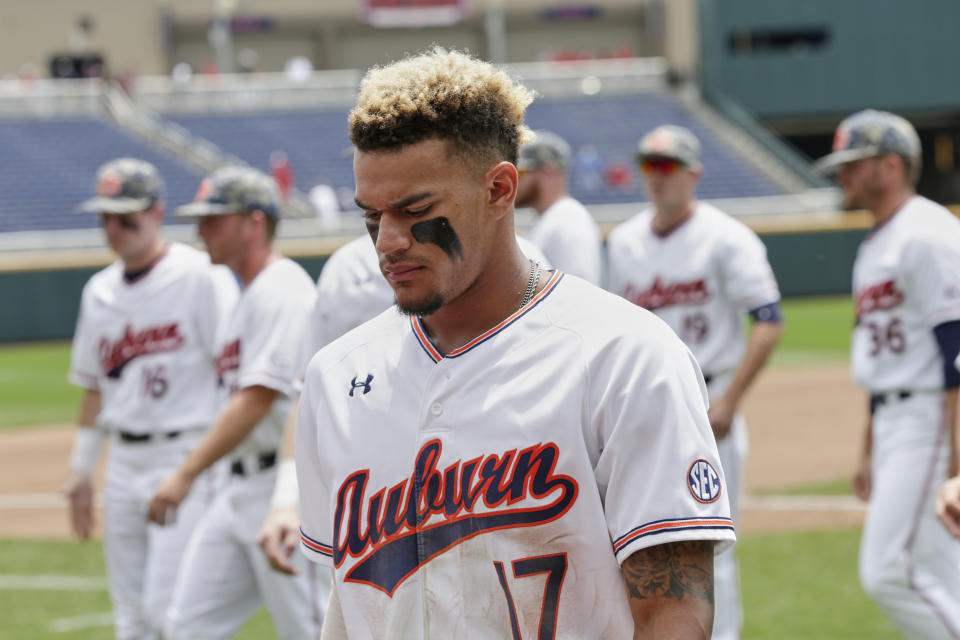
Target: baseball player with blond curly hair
<point x="510" y="452"/>
<point x="350" y="291"/>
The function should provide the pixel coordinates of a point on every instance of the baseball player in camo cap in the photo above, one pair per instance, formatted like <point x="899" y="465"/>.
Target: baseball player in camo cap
<point x="234" y="190"/>
<point x="904" y="343"/>
<point x="670" y="142"/>
<point x="144" y="355"/>
<point x="237" y="209"/>
<point x="871" y="133"/>
<point x="565" y="231"/>
<point x="546" y="149"/>
<point x="125" y="185"/>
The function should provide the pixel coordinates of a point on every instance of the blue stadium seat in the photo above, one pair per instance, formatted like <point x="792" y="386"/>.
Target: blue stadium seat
<point x="317" y="145"/>
<point x="49" y="165"/>
<point x="315" y="142"/>
<point x="49" y="168"/>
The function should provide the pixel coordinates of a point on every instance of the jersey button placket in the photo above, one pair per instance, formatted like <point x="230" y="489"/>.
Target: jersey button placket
<point x="432" y="425"/>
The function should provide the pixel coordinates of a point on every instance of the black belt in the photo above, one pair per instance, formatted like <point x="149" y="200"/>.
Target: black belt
<point x="263" y="461"/>
<point x="880" y="399"/>
<point x="129" y="436"/>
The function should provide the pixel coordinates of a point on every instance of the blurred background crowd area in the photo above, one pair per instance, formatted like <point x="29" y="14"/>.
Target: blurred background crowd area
<point x="191" y="85"/>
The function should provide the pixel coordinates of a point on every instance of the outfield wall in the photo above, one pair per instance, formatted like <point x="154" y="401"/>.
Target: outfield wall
<point x="40" y="292"/>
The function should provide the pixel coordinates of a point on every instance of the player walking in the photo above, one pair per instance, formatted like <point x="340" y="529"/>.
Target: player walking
<point x="702" y="272"/>
<point x="518" y="453"/>
<point x="144" y="352"/>
<point x="224" y="577"/>
<point x="565" y="231"/>
<point x="350" y="290"/>
<point x="906" y="287"/>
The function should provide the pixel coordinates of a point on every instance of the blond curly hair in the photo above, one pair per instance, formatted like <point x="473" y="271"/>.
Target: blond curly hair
<point x="442" y="94"/>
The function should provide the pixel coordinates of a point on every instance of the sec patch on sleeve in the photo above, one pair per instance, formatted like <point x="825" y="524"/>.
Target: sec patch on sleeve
<point x="703" y="481"/>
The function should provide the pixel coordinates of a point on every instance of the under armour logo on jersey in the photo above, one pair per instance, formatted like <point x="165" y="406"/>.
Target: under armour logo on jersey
<point x="365" y="385"/>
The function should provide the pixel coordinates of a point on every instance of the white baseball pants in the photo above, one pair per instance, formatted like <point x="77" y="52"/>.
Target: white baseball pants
<point x="142" y="558"/>
<point x="909" y="564"/>
<point x="225" y="577"/>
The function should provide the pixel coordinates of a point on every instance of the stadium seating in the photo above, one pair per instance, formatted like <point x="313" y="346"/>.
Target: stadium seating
<point x="49" y="167"/>
<point x="317" y="145"/>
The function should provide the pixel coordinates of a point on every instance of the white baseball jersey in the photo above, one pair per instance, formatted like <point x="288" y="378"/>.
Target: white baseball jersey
<point x="569" y="238"/>
<point x="701" y="279"/>
<point x="148" y="346"/>
<point x="260" y="345"/>
<point x="495" y="490"/>
<point x="351" y="289"/>
<point x="906" y="281"/>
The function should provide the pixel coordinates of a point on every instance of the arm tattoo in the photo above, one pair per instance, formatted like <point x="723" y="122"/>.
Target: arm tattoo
<point x="674" y="570"/>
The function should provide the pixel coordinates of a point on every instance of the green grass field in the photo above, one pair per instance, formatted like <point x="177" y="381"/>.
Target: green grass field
<point x="35" y="614"/>
<point x="816" y="330"/>
<point x="34" y="387"/>
<point x="795" y="586"/>
<point x="33" y="384"/>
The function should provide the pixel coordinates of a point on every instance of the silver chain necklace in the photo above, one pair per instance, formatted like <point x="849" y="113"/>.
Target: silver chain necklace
<point x="532" y="282"/>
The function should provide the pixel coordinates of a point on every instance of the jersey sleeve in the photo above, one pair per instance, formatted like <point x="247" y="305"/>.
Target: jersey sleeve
<point x="329" y="317"/>
<point x="270" y="355"/>
<point x="933" y="272"/>
<point x="658" y="470"/>
<point x="316" y="526"/>
<point x="748" y="279"/>
<point x="83" y="358"/>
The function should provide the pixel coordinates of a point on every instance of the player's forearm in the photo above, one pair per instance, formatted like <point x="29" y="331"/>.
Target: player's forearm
<point x="88" y="439"/>
<point x="950" y="415"/>
<point x="763" y="338"/>
<point x="289" y="429"/>
<point x="868" y="437"/>
<point x="237" y="419"/>
<point x="89" y="408"/>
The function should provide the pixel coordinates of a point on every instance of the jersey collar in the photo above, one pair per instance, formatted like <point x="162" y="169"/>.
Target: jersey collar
<point x="431" y="350"/>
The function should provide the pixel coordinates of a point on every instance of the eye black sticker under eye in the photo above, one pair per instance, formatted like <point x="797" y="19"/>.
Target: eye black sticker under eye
<point x="439" y="232"/>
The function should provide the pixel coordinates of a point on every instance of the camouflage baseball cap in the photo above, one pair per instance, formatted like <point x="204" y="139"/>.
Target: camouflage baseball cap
<point x="546" y="149"/>
<point x="233" y="190"/>
<point x="671" y="142"/>
<point x="125" y="185"/>
<point x="871" y="133"/>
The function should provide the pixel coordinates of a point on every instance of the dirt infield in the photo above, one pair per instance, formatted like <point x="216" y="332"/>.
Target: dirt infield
<point x="805" y="427"/>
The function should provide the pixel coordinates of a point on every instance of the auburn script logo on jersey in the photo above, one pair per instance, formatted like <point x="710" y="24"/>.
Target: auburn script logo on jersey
<point x="398" y="529"/>
<point x="879" y="297"/>
<point x="228" y="360"/>
<point x="661" y="294"/>
<point x="114" y="356"/>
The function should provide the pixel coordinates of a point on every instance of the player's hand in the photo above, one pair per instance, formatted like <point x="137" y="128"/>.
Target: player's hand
<point x="948" y="505"/>
<point x="169" y="495"/>
<point x="862" y="480"/>
<point x="279" y="537"/>
<point x="79" y="492"/>
<point x="721" y="417"/>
